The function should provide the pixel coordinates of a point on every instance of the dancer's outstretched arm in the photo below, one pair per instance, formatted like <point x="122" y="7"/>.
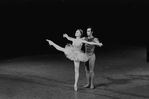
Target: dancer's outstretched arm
<point x="97" y="41"/>
<point x="69" y="38"/>
<point x="93" y="43"/>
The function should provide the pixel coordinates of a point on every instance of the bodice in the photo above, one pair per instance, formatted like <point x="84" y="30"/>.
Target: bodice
<point x="77" y="44"/>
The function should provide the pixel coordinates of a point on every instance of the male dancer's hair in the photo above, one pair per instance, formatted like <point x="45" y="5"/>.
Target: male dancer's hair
<point x="90" y="27"/>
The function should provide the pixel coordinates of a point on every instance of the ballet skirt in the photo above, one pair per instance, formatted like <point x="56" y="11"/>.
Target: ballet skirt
<point x="75" y="54"/>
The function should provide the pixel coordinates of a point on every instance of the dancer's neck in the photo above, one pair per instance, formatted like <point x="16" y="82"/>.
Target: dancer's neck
<point x="91" y="36"/>
<point x="78" y="37"/>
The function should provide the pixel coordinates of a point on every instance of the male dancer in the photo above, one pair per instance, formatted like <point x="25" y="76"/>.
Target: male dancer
<point x="89" y="65"/>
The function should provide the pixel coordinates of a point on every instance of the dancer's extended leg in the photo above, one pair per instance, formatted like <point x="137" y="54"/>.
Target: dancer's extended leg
<point x="76" y="65"/>
<point x="56" y="46"/>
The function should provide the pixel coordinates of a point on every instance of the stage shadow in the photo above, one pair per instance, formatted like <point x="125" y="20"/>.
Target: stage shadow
<point x="33" y="79"/>
<point x="140" y="77"/>
<point x="112" y="81"/>
<point x="128" y="80"/>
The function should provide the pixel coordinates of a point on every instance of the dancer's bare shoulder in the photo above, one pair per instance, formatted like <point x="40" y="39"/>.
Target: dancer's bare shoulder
<point x="83" y="38"/>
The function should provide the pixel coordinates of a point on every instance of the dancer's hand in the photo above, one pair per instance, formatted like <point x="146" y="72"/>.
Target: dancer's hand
<point x="65" y="35"/>
<point x="100" y="44"/>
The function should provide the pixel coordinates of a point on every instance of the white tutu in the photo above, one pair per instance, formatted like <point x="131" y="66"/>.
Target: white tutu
<point x="75" y="54"/>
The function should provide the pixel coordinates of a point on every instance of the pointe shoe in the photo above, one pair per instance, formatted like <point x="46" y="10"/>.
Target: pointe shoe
<point x="75" y="88"/>
<point x="50" y="42"/>
<point x="86" y="86"/>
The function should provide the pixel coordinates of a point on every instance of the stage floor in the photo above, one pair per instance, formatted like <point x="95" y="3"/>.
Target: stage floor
<point x="120" y="73"/>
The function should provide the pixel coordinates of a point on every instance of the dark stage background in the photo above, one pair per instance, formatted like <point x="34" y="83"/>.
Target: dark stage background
<point x="26" y="24"/>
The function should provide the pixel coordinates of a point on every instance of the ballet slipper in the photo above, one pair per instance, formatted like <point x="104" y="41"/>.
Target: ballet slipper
<point x="92" y="87"/>
<point x="75" y="88"/>
<point x="86" y="86"/>
<point x="50" y="42"/>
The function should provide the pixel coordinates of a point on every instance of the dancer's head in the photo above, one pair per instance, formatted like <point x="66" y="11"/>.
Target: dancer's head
<point x="89" y="31"/>
<point x="79" y="33"/>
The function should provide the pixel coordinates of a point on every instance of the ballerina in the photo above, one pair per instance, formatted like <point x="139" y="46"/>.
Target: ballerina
<point x="73" y="51"/>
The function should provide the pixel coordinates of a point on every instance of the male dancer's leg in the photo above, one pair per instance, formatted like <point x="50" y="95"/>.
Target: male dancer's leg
<point x="91" y="65"/>
<point x="87" y="70"/>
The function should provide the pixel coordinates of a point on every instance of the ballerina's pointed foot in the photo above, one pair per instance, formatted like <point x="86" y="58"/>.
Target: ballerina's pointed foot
<point x="75" y="88"/>
<point x="50" y="42"/>
<point x="86" y="86"/>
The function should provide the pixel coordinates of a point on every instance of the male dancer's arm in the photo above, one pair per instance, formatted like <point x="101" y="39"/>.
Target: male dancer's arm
<point x="92" y="43"/>
<point x="97" y="41"/>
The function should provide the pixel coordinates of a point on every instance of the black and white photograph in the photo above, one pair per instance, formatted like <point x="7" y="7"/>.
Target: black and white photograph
<point x="74" y="49"/>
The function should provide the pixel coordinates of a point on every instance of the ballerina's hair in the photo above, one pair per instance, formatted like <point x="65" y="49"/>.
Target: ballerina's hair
<point x="81" y="31"/>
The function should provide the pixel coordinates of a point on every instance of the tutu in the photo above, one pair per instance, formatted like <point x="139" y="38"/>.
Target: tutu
<point x="75" y="54"/>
